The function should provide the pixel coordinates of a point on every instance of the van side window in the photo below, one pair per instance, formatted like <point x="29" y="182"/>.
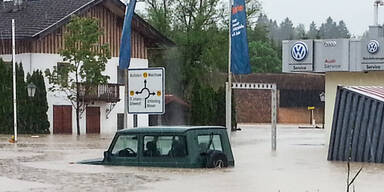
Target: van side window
<point x="164" y="146"/>
<point x="209" y="142"/>
<point x="125" y="146"/>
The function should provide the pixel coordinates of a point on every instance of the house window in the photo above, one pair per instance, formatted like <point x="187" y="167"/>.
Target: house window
<point x="120" y="76"/>
<point x="120" y="121"/>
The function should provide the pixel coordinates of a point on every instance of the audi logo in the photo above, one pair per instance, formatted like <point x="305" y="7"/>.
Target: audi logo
<point x="329" y="43"/>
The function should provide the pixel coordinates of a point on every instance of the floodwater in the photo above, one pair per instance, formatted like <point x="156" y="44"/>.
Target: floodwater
<point x="47" y="163"/>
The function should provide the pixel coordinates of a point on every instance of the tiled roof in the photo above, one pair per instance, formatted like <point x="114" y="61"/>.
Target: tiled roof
<point x="375" y="92"/>
<point x="38" y="16"/>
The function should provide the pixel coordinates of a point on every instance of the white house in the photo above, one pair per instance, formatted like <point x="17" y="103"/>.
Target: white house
<point x="39" y="37"/>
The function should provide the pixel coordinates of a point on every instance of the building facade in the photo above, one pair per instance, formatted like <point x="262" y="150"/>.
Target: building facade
<point x="40" y="28"/>
<point x="345" y="62"/>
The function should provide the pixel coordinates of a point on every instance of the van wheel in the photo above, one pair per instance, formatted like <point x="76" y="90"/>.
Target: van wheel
<point x="217" y="159"/>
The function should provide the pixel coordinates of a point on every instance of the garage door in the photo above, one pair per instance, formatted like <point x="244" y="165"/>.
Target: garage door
<point x="62" y="119"/>
<point x="93" y="119"/>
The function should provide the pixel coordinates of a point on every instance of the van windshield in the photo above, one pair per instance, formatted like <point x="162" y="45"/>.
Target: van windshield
<point x="125" y="146"/>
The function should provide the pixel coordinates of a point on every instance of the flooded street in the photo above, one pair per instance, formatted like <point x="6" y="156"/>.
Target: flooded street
<point x="299" y="164"/>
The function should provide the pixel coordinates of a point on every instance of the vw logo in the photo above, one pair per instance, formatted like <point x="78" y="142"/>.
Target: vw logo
<point x="299" y="51"/>
<point x="373" y="46"/>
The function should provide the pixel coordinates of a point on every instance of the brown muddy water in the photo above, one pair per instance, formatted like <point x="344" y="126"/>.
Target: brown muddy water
<point x="298" y="165"/>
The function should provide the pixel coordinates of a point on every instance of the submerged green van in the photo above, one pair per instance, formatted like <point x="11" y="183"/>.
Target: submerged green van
<point x="189" y="147"/>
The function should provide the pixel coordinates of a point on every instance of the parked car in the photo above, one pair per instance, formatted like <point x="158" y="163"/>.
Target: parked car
<point x="189" y="147"/>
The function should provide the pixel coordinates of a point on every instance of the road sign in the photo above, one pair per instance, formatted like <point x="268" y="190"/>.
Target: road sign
<point x="146" y="91"/>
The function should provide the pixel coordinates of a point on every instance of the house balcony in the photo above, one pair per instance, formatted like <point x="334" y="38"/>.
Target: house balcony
<point x="109" y="93"/>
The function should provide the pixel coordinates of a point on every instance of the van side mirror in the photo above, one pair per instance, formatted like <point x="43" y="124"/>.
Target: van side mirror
<point x="107" y="156"/>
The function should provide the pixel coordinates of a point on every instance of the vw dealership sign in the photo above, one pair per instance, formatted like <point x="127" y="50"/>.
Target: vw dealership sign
<point x="326" y="55"/>
<point x="331" y="55"/>
<point x="300" y="56"/>
<point x="372" y="57"/>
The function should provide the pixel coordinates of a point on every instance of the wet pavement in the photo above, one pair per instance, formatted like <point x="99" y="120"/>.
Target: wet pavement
<point x="47" y="163"/>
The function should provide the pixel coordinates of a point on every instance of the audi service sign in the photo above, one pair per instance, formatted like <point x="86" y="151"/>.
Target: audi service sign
<point x="146" y="91"/>
<point x="298" y="56"/>
<point x="372" y="54"/>
<point x="331" y="55"/>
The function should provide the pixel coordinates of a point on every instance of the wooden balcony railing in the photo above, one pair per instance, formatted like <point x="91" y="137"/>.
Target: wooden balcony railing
<point x="109" y="93"/>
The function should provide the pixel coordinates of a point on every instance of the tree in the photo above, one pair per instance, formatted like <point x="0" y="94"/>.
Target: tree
<point x="287" y="31"/>
<point x="343" y="30"/>
<point x="300" y="32"/>
<point x="21" y="98"/>
<point x="263" y="58"/>
<point x="37" y="118"/>
<point x="31" y="112"/>
<point x="313" y="32"/>
<point x="85" y="58"/>
<point x="253" y="9"/>
<point x="6" y="107"/>
<point x="328" y="30"/>
<point x="159" y="14"/>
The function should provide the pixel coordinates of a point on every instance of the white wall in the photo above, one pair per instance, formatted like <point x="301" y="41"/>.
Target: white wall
<point x="34" y="61"/>
<point x="333" y="79"/>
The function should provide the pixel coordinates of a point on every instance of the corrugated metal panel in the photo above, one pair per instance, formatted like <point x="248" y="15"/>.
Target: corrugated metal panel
<point x="358" y="125"/>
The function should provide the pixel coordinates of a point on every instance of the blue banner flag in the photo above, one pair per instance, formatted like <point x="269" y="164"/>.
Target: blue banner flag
<point x="239" y="41"/>
<point x="125" y="44"/>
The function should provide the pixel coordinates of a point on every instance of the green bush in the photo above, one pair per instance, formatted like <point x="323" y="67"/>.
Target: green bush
<point x="31" y="112"/>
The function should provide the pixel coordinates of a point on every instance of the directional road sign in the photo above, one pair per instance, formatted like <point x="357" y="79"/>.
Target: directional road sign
<point x="146" y="91"/>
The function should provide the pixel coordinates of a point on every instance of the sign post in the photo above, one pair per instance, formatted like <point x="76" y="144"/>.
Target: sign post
<point x="146" y="91"/>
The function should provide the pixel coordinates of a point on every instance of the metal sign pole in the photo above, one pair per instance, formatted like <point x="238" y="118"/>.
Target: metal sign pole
<point x="126" y="99"/>
<point x="274" y="117"/>
<point x="135" y="120"/>
<point x="228" y="97"/>
<point x="228" y="108"/>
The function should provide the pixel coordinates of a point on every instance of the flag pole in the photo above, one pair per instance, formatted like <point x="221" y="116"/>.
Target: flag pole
<point x="229" y="84"/>
<point x="125" y="53"/>
<point x="14" y="80"/>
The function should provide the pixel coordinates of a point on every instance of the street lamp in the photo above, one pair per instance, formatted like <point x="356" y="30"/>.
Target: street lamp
<point x="31" y="89"/>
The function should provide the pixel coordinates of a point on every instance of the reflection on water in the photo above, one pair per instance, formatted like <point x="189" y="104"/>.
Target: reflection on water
<point x="299" y="164"/>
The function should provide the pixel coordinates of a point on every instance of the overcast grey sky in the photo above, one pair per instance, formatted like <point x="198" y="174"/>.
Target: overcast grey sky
<point x="357" y="14"/>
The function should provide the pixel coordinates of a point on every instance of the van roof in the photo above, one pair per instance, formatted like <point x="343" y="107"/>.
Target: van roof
<point x="167" y="129"/>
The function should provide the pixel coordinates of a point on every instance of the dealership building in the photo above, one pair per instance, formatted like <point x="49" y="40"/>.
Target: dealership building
<point x="345" y="62"/>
